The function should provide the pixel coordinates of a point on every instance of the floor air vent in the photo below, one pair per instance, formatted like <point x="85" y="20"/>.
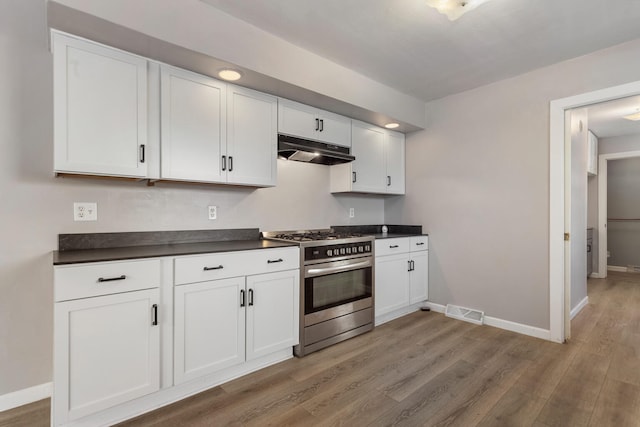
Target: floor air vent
<point x="466" y="314"/>
<point x="633" y="268"/>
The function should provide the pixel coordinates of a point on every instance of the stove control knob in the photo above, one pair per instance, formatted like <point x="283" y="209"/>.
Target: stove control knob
<point x="329" y="252"/>
<point x="342" y="251"/>
<point x="367" y="248"/>
<point x="360" y="249"/>
<point x="348" y="251"/>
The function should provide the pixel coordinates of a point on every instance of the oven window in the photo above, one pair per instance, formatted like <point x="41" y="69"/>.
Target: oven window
<point x="328" y="291"/>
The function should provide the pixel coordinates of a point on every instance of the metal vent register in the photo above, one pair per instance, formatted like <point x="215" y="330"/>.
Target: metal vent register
<point x="466" y="314"/>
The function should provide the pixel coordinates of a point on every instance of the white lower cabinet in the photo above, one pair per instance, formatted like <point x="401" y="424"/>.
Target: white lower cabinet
<point x="209" y="327"/>
<point x="225" y="322"/>
<point x="107" y="352"/>
<point x="218" y="320"/>
<point x="272" y="312"/>
<point x="402" y="276"/>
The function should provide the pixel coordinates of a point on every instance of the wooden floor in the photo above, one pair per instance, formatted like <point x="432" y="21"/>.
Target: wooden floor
<point x="426" y="369"/>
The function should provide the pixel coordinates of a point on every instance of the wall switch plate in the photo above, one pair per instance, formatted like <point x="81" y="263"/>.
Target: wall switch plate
<point x="213" y="212"/>
<point x="85" y="211"/>
<point x="352" y="213"/>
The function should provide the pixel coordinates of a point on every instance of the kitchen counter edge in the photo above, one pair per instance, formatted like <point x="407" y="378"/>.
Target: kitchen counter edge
<point x="84" y="256"/>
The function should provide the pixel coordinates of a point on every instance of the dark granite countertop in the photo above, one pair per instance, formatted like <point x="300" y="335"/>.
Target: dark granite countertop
<point x="153" y="251"/>
<point x="394" y="235"/>
<point x="100" y="247"/>
<point x="376" y="230"/>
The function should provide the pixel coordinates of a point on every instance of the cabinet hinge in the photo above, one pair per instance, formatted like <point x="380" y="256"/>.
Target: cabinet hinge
<point x="567" y="236"/>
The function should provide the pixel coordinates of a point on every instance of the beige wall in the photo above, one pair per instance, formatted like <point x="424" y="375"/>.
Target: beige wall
<point x="478" y="182"/>
<point x="623" y="201"/>
<point x="36" y="207"/>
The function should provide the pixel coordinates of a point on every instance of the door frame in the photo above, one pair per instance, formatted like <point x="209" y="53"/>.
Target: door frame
<point x="603" y="162"/>
<point x="557" y="109"/>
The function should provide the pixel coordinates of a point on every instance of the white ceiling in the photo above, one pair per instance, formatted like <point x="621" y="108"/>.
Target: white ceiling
<point x="411" y="47"/>
<point x="605" y="119"/>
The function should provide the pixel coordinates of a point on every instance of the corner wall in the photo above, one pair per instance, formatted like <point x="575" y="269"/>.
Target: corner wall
<point x="478" y="182"/>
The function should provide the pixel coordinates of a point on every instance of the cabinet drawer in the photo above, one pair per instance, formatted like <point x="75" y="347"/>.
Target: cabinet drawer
<point x="90" y="280"/>
<point x="233" y="264"/>
<point x="392" y="246"/>
<point x="419" y="243"/>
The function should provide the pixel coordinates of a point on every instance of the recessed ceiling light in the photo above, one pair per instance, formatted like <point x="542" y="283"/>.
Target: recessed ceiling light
<point x="391" y="125"/>
<point x="635" y="116"/>
<point x="229" y="74"/>
<point x="454" y="9"/>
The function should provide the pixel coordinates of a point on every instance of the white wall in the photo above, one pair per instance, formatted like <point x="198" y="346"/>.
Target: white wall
<point x="478" y="182"/>
<point x="36" y="207"/>
<point x="579" y="148"/>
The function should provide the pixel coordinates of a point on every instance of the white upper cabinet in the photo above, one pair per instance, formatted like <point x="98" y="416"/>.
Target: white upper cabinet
<point x="193" y="121"/>
<point x="214" y="132"/>
<point x="367" y="170"/>
<point x="394" y="154"/>
<point x="100" y="109"/>
<point x="303" y="121"/>
<point x="252" y="137"/>
<point x="379" y="166"/>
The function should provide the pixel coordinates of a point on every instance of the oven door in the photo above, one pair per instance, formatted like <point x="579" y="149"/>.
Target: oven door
<point x="330" y="285"/>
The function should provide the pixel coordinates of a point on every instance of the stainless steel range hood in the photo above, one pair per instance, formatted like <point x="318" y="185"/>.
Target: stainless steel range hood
<point x="303" y="150"/>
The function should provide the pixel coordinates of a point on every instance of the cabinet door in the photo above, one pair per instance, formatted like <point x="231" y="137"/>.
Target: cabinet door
<point x="272" y="312"/>
<point x="252" y="137"/>
<point x="297" y="119"/>
<point x="419" y="277"/>
<point x="394" y="154"/>
<point x="592" y="154"/>
<point x="193" y="115"/>
<point x="334" y="129"/>
<point x="367" y="145"/>
<point x="392" y="283"/>
<point x="107" y="351"/>
<point x="209" y="327"/>
<point x="100" y="109"/>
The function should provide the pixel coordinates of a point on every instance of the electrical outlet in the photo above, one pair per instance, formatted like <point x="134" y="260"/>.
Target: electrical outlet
<point x="85" y="211"/>
<point x="352" y="213"/>
<point x="213" y="212"/>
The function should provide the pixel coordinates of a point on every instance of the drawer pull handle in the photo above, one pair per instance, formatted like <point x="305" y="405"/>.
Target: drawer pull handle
<point x="154" y="308"/>
<point x="273" y="261"/>
<point x="242" y="298"/>
<point x="420" y="244"/>
<point x="220" y="267"/>
<point x="393" y="246"/>
<point x="111" y="279"/>
<point x="250" y="297"/>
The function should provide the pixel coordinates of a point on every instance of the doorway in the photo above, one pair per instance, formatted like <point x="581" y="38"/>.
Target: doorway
<point x="560" y="204"/>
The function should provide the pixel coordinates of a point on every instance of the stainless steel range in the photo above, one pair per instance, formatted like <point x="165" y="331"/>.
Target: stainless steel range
<point x="337" y="286"/>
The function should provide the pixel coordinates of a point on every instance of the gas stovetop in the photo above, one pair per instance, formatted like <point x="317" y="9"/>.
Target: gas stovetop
<point x="316" y="237"/>
<point x="310" y="235"/>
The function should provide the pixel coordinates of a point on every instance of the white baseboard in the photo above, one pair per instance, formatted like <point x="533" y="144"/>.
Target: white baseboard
<point x="387" y="317"/>
<point x="616" y="268"/>
<point x="508" y="325"/>
<point x="25" y="396"/>
<point x="582" y="304"/>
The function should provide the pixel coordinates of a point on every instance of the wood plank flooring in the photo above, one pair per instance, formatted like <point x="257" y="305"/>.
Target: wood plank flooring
<point x="428" y="370"/>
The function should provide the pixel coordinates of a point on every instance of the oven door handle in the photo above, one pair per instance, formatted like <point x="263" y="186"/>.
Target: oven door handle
<point x="340" y="268"/>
